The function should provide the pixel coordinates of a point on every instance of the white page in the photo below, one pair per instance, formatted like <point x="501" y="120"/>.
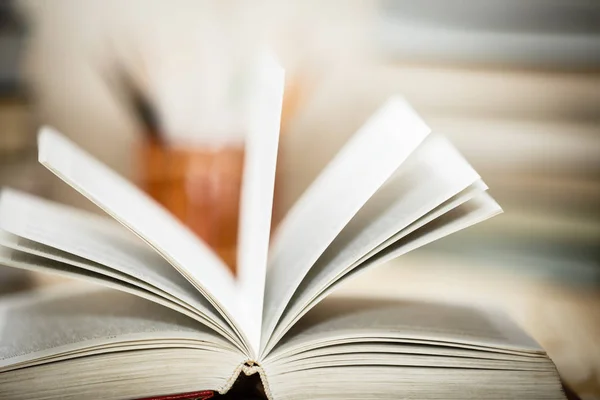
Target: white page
<point x="463" y="210"/>
<point x="30" y="262"/>
<point x="256" y="204"/>
<point x="434" y="173"/>
<point x="424" y="231"/>
<point x="430" y="383"/>
<point x="405" y="348"/>
<point x="410" y="360"/>
<point x="137" y="211"/>
<point x="10" y="244"/>
<point x="475" y="210"/>
<point x="340" y="319"/>
<point x="466" y="195"/>
<point x="17" y="252"/>
<point x="74" y="317"/>
<point x="96" y="238"/>
<point x="344" y="186"/>
<point x="337" y="322"/>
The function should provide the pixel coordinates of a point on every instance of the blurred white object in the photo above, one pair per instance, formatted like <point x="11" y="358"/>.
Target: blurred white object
<point x="190" y="56"/>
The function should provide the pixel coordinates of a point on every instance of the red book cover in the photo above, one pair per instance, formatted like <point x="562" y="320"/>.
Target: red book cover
<point x="202" y="395"/>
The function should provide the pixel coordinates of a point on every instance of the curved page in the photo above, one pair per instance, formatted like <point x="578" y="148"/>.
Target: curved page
<point x="137" y="211"/>
<point x="72" y="320"/>
<point x="341" y="319"/>
<point x="344" y="186"/>
<point x="434" y="173"/>
<point x="95" y="238"/>
<point x="256" y="201"/>
<point x="445" y="221"/>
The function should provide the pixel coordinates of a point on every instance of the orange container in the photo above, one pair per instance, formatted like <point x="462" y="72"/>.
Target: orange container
<point x="200" y="186"/>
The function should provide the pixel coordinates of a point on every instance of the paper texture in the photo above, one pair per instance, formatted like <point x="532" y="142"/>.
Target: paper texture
<point x="134" y="209"/>
<point x="257" y="192"/>
<point x="340" y="319"/>
<point x="345" y="185"/>
<point x="55" y="323"/>
<point x="465" y="212"/>
<point x="96" y="238"/>
<point x="432" y="174"/>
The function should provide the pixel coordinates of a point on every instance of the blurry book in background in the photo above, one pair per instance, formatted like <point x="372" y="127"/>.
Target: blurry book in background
<point x="559" y="34"/>
<point x="515" y="86"/>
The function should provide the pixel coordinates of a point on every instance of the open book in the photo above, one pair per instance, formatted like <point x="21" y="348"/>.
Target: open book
<point x="163" y="315"/>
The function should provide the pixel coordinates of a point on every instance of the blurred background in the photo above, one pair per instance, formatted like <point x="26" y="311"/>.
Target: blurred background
<point x="155" y="89"/>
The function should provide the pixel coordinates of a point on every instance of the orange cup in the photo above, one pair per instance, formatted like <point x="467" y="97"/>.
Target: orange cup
<point x="200" y="186"/>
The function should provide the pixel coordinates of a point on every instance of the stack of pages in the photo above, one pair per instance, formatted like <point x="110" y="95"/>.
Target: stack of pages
<point x="160" y="314"/>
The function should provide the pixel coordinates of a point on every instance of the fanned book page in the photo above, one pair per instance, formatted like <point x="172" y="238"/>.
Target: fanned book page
<point x="360" y="168"/>
<point x="138" y="212"/>
<point x="157" y="314"/>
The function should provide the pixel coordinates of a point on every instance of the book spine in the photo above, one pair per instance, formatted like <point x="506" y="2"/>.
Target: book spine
<point x="249" y="368"/>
